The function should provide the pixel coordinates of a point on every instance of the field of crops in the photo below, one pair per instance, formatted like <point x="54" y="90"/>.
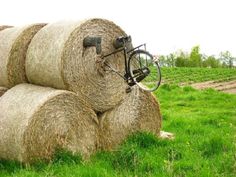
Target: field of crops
<point x="203" y="122"/>
<point x="191" y="75"/>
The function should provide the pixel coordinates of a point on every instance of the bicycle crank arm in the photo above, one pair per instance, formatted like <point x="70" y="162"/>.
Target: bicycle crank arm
<point x="142" y="71"/>
<point x="140" y="78"/>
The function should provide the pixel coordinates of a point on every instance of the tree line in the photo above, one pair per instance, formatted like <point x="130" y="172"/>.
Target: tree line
<point x="196" y="59"/>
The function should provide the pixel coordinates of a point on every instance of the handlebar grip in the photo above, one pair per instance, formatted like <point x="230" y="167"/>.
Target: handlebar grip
<point x="120" y="41"/>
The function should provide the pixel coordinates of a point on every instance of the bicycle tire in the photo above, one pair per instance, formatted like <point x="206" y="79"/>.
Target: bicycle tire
<point x="154" y="64"/>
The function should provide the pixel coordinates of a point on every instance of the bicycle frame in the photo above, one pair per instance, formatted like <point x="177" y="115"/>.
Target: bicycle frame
<point x="124" y="49"/>
<point x="123" y="44"/>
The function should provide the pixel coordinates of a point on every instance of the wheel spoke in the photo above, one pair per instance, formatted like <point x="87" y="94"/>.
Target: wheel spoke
<point x="144" y="71"/>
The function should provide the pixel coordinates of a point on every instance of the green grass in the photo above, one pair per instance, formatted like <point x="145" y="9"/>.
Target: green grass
<point x="204" y="123"/>
<point x="188" y="75"/>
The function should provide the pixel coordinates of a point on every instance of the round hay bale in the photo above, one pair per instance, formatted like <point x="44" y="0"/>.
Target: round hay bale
<point x="13" y="46"/>
<point x="57" y="58"/>
<point x="4" y="27"/>
<point x="140" y="111"/>
<point x="34" y="121"/>
<point x="2" y="90"/>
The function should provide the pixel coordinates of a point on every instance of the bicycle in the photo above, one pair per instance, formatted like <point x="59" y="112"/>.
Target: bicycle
<point x="140" y="68"/>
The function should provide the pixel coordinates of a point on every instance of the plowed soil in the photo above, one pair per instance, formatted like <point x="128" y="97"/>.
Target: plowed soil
<point x="228" y="87"/>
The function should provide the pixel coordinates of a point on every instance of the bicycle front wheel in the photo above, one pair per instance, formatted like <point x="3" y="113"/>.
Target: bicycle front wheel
<point x="144" y="70"/>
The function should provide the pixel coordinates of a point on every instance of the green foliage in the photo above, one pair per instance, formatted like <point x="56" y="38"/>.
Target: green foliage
<point x="168" y="61"/>
<point x="62" y="156"/>
<point x="179" y="75"/>
<point x="9" y="166"/>
<point x="213" y="146"/>
<point x="211" y="62"/>
<point x="196" y="59"/>
<point x="227" y="59"/>
<point x="145" y="140"/>
<point x="128" y="157"/>
<point x="204" y="125"/>
<point x="182" y="59"/>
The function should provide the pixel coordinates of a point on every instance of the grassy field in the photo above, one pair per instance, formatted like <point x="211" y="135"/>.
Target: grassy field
<point x="204" y="123"/>
<point x="190" y="75"/>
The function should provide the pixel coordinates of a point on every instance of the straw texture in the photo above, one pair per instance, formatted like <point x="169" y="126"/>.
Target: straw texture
<point x="2" y="90"/>
<point x="13" y="46"/>
<point x="140" y="111"/>
<point x="35" y="120"/>
<point x="4" y="27"/>
<point x="56" y="58"/>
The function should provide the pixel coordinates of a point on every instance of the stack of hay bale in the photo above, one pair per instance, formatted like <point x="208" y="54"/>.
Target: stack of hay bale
<point x="3" y="89"/>
<point x="57" y="96"/>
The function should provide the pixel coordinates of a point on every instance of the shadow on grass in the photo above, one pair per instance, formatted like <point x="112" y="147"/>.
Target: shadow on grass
<point x="61" y="157"/>
<point x="127" y="156"/>
<point x="130" y="156"/>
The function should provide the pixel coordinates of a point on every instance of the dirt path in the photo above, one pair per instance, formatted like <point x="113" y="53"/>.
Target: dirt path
<point x="228" y="87"/>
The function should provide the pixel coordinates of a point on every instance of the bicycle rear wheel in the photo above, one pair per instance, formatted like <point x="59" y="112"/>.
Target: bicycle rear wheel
<point x="144" y="70"/>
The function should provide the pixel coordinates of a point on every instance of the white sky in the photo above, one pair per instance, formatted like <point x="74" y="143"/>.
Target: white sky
<point x="165" y="25"/>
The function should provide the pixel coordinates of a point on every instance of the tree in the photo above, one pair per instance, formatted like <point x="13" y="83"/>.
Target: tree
<point x="171" y="59"/>
<point x="168" y="60"/>
<point x="182" y="59"/>
<point x="211" y="61"/>
<point x="195" y="57"/>
<point x="227" y="59"/>
<point x="162" y="60"/>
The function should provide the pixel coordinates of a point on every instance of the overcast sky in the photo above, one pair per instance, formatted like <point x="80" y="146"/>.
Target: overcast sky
<point x="165" y="25"/>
